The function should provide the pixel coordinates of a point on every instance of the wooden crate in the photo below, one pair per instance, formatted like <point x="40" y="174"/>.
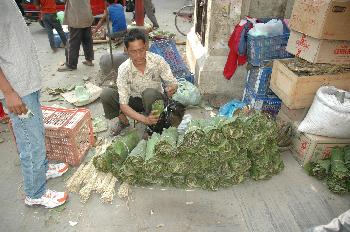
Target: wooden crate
<point x="298" y="92"/>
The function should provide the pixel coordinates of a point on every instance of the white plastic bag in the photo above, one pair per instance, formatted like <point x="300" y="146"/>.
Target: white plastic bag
<point x="329" y="114"/>
<point x="187" y="93"/>
<point x="182" y="128"/>
<point x="273" y="27"/>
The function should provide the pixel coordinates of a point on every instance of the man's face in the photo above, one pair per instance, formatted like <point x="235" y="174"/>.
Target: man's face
<point x="137" y="52"/>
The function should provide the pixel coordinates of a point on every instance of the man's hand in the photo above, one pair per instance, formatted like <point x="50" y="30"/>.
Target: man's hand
<point x="15" y="104"/>
<point x="13" y="101"/>
<point x="171" y="90"/>
<point x="151" y="119"/>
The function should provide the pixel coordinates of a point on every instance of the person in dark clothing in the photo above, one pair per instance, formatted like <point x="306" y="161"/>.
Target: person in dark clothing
<point x="48" y="12"/>
<point x="78" y="16"/>
<point x="150" y="12"/>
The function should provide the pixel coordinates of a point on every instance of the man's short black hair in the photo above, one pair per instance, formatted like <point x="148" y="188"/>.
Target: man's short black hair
<point x="134" y="34"/>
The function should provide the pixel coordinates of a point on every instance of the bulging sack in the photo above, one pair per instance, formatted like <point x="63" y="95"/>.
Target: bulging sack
<point x="329" y="114"/>
<point x="187" y="93"/>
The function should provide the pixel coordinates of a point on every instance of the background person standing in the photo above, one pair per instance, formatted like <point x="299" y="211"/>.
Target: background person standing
<point x="150" y="12"/>
<point x="48" y="12"/>
<point x="78" y="16"/>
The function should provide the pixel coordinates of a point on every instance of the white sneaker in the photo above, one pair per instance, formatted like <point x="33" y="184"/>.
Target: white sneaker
<point x="50" y="199"/>
<point x="56" y="170"/>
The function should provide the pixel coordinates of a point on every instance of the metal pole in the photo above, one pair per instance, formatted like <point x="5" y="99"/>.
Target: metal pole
<point x="109" y="35"/>
<point x="139" y="13"/>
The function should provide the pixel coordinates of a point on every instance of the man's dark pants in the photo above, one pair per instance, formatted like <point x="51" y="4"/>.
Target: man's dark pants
<point x="110" y="101"/>
<point x="79" y="36"/>
<point x="150" y="12"/>
<point x="50" y="22"/>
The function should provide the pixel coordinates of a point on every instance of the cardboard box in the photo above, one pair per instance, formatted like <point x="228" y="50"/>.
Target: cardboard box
<point x="318" y="51"/>
<point x="309" y="147"/>
<point x="298" y="92"/>
<point x="322" y="19"/>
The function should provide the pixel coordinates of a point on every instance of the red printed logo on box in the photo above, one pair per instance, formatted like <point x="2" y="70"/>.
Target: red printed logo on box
<point x="326" y="153"/>
<point x="342" y="50"/>
<point x="302" y="45"/>
<point x="303" y="146"/>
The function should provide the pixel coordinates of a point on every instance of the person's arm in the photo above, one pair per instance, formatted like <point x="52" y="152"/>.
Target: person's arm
<point x="99" y="24"/>
<point x="14" y="102"/>
<point x="147" y="120"/>
<point x="168" y="77"/>
<point x="171" y="89"/>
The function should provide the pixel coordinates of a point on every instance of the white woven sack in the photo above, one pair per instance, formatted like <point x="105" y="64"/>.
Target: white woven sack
<point x="327" y="116"/>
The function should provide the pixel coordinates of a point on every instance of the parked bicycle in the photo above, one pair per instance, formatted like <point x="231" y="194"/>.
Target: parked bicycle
<point x="184" y="18"/>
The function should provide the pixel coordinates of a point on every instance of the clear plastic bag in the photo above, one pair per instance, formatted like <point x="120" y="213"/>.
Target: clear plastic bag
<point x="273" y="27"/>
<point x="187" y="93"/>
<point x="182" y="128"/>
<point x="82" y="94"/>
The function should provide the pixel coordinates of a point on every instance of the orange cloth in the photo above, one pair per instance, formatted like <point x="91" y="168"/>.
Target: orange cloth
<point x="48" y="6"/>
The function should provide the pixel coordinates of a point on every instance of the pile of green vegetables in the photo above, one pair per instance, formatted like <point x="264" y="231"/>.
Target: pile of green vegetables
<point x="335" y="170"/>
<point x="161" y="34"/>
<point x="213" y="153"/>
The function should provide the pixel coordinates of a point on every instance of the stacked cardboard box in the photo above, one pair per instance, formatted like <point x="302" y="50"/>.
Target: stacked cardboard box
<point x="320" y="33"/>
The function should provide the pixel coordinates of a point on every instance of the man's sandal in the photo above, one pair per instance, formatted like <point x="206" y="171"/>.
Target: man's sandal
<point x="119" y="128"/>
<point x="88" y="63"/>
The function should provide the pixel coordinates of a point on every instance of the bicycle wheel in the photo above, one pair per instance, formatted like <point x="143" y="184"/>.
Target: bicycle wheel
<point x="184" y="19"/>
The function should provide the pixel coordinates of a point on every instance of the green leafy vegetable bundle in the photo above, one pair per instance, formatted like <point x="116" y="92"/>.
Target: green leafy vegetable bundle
<point x="213" y="153"/>
<point x="339" y="176"/>
<point x="334" y="169"/>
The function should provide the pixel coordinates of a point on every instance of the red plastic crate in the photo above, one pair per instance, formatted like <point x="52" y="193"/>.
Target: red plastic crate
<point x="68" y="134"/>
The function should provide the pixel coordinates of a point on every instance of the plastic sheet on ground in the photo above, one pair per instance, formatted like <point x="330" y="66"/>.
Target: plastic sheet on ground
<point x="94" y="93"/>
